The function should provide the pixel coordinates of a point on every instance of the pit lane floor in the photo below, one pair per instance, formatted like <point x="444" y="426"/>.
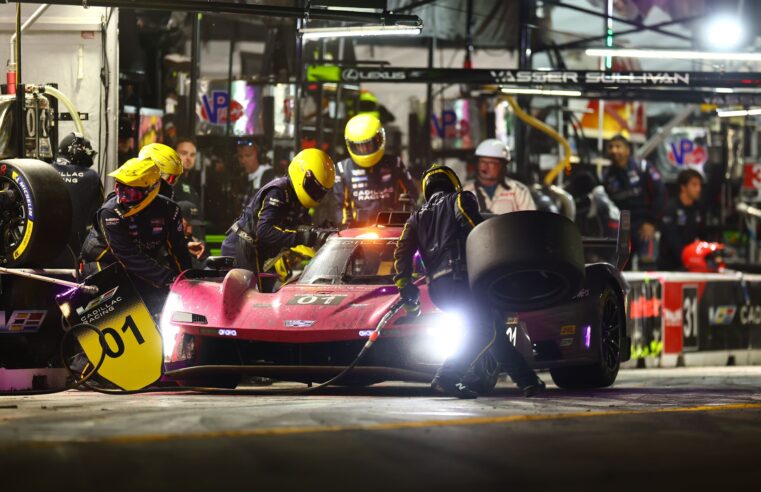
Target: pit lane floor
<point x="655" y="429"/>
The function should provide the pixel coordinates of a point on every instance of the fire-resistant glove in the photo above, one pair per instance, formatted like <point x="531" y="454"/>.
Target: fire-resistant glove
<point x="311" y="236"/>
<point x="410" y="294"/>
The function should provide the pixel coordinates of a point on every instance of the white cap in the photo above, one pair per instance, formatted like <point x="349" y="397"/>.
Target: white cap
<point x="491" y="147"/>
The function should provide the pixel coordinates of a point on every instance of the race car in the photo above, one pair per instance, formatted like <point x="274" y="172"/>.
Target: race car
<point x="217" y="326"/>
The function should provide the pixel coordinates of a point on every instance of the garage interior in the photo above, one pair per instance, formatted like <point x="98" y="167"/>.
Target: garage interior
<point x="258" y="394"/>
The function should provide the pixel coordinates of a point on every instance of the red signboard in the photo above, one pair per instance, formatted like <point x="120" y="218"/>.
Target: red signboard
<point x="752" y="176"/>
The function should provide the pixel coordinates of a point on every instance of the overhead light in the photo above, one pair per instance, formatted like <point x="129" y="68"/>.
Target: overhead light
<point x="358" y="31"/>
<point x="724" y="90"/>
<point x="673" y="54"/>
<point x="541" y="92"/>
<point x="729" y="113"/>
<point x="724" y="32"/>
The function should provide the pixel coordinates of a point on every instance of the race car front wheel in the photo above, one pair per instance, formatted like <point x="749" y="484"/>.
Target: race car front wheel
<point x="525" y="261"/>
<point x="35" y="213"/>
<point x="603" y="373"/>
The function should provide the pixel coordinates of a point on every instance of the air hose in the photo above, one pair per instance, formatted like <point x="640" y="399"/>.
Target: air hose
<point x="545" y="128"/>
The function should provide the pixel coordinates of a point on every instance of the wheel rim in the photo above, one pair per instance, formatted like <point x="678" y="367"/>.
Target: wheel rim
<point x="12" y="222"/>
<point x="611" y="333"/>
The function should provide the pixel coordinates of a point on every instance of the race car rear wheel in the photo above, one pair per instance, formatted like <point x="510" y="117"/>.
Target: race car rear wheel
<point x="35" y="213"/>
<point x="604" y="372"/>
<point x="525" y="261"/>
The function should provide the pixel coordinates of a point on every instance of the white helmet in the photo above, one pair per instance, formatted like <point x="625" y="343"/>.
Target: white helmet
<point x="491" y="147"/>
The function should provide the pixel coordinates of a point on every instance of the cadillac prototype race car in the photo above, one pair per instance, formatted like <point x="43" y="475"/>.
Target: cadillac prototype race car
<point x="561" y="313"/>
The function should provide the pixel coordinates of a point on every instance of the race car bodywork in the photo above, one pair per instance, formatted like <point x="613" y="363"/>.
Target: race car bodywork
<point x="217" y="326"/>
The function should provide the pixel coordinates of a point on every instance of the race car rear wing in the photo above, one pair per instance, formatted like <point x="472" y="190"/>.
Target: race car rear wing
<point x="621" y="245"/>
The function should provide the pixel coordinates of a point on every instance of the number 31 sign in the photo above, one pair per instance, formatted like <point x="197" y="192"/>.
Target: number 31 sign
<point x="129" y="336"/>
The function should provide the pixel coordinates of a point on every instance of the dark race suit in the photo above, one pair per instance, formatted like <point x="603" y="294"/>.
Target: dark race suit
<point x="363" y="192"/>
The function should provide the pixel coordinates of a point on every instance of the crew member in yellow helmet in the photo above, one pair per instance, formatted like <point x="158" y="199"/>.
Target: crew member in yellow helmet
<point x="169" y="163"/>
<point x="140" y="229"/>
<point x="278" y="216"/>
<point x="370" y="180"/>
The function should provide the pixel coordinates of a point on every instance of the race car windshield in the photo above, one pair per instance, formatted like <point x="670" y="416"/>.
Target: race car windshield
<point x="352" y="261"/>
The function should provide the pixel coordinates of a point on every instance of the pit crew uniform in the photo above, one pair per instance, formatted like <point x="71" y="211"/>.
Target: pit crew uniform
<point x="439" y="231"/>
<point x="86" y="193"/>
<point x="268" y="224"/>
<point x="639" y="189"/>
<point x="362" y="192"/>
<point x="680" y="225"/>
<point x="140" y="242"/>
<point x="508" y="196"/>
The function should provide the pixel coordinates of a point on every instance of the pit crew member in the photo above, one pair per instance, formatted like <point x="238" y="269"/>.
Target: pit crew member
<point x="74" y="162"/>
<point x="369" y="180"/>
<point x="169" y="163"/>
<point x="140" y="229"/>
<point x="439" y="231"/>
<point x="496" y="193"/>
<point x="637" y="187"/>
<point x="278" y="216"/>
<point x="682" y="222"/>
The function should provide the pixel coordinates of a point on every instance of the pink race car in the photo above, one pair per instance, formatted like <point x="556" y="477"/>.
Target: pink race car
<point x="217" y="327"/>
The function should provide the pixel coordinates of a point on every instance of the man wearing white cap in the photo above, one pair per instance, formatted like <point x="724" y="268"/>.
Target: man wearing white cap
<point x="496" y="193"/>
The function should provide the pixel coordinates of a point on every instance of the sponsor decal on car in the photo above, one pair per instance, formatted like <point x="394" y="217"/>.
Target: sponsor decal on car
<point x="568" y="330"/>
<point x="316" y="300"/>
<point x="581" y="294"/>
<point x="721" y="315"/>
<point x="566" y="342"/>
<point x="299" y="323"/>
<point x="22" y="321"/>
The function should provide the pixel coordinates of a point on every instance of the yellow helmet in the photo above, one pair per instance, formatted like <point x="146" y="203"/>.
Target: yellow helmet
<point x="365" y="139"/>
<point x="312" y="174"/>
<point x="440" y="178"/>
<point x="166" y="158"/>
<point x="137" y="184"/>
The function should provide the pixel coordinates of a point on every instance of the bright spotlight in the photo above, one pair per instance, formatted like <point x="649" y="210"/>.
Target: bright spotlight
<point x="446" y="336"/>
<point x="724" y="32"/>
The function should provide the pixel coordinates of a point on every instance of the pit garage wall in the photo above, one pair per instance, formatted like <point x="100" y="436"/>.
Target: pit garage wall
<point x="65" y="46"/>
<point x="694" y="319"/>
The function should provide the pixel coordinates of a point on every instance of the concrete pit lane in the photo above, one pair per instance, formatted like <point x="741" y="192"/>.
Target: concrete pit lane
<point x="675" y="429"/>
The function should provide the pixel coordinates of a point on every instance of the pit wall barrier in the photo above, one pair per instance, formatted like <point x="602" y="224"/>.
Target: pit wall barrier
<point x="691" y="319"/>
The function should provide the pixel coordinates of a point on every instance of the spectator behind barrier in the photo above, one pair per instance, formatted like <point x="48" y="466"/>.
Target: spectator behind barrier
<point x="683" y="221"/>
<point x="637" y="187"/>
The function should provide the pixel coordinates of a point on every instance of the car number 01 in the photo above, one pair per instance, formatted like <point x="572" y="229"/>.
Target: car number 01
<point x="129" y="324"/>
<point x="320" y="300"/>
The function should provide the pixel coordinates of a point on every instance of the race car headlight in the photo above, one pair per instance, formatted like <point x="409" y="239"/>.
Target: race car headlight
<point x="168" y="329"/>
<point x="445" y="336"/>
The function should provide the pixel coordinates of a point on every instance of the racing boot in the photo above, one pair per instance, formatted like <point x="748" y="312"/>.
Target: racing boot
<point x="453" y="387"/>
<point x="534" y="389"/>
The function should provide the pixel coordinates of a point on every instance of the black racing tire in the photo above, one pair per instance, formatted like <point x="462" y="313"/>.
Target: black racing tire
<point x="35" y="215"/>
<point x="610" y="328"/>
<point x="525" y="261"/>
<point x="486" y="373"/>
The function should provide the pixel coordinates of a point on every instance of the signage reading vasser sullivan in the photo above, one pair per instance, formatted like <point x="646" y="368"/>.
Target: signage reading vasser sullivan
<point x="550" y="77"/>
